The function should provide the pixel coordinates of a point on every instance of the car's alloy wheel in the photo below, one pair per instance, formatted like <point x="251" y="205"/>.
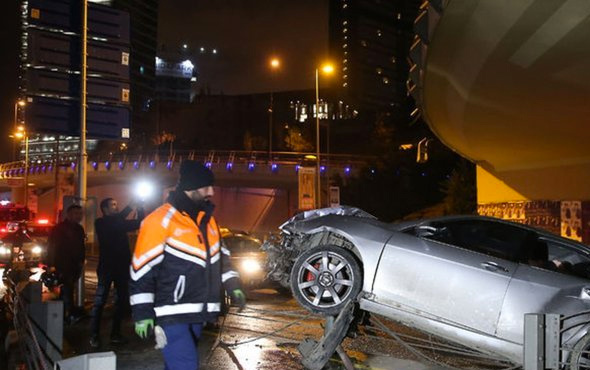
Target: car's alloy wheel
<point x="579" y="357"/>
<point x="325" y="278"/>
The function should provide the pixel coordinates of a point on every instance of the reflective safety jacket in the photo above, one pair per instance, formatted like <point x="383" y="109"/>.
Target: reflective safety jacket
<point x="179" y="268"/>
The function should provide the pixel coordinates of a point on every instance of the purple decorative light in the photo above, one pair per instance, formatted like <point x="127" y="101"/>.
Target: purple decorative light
<point x="107" y="165"/>
<point x="50" y="168"/>
<point x="229" y="166"/>
<point x="21" y="171"/>
<point x="121" y="165"/>
<point x="347" y="170"/>
<point x="44" y="168"/>
<point x="274" y="167"/>
<point x="297" y="168"/>
<point x="251" y="166"/>
<point x="169" y="165"/>
<point x="95" y="165"/>
<point x="322" y="169"/>
<point x="208" y="165"/>
<point x="152" y="164"/>
<point x="73" y="165"/>
<point x="136" y="165"/>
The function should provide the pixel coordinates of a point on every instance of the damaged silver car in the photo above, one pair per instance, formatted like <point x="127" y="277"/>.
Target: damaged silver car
<point x="468" y="279"/>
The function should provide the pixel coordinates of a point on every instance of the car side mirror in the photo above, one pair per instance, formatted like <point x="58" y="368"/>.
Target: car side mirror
<point x="427" y="231"/>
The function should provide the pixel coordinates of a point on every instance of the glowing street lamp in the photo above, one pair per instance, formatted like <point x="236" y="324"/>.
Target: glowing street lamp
<point x="327" y="69"/>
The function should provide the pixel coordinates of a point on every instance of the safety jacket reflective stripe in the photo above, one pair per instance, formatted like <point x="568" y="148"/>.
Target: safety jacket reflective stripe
<point x="177" y="271"/>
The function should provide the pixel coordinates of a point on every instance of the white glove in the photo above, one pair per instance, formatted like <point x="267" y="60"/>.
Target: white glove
<point x="160" y="337"/>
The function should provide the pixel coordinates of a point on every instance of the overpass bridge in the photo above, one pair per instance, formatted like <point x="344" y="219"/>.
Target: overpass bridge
<point x="506" y="84"/>
<point x="254" y="192"/>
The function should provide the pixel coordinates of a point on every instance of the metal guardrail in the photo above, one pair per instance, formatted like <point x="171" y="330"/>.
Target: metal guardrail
<point x="543" y="341"/>
<point x="211" y="158"/>
<point x="35" y="358"/>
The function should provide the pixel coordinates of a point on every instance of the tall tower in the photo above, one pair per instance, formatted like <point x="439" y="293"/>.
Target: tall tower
<point x="371" y="39"/>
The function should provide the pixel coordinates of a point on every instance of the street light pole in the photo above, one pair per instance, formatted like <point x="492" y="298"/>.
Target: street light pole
<point x="317" y="137"/>
<point x="26" y="169"/>
<point x="83" y="158"/>
<point x="270" y="109"/>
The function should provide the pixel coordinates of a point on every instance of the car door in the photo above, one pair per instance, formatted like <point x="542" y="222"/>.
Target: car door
<point x="459" y="272"/>
<point x="546" y="290"/>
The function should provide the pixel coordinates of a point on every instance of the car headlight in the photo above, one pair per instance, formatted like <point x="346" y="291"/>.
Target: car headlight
<point x="251" y="265"/>
<point x="37" y="250"/>
<point x="4" y="251"/>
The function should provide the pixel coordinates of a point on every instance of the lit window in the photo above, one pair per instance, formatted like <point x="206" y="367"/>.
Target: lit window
<point x="399" y="16"/>
<point x="344" y="6"/>
<point x="344" y="30"/>
<point x="344" y="69"/>
<point x="344" y="46"/>
<point x="345" y="61"/>
<point x="379" y="71"/>
<point x="345" y="37"/>
<point x="379" y="33"/>
<point x="214" y="51"/>
<point x="393" y="60"/>
<point x="345" y="77"/>
<point x="385" y="80"/>
<point x="344" y="23"/>
<point x="345" y="84"/>
<point x="363" y="43"/>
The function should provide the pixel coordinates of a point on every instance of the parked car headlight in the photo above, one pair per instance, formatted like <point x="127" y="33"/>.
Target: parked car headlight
<point x="37" y="250"/>
<point x="4" y="251"/>
<point x="251" y="265"/>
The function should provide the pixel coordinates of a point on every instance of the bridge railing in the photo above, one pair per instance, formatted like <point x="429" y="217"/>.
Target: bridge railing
<point x="210" y="158"/>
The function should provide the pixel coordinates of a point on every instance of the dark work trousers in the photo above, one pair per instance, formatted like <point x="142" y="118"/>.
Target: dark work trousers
<point x="181" y="352"/>
<point x="105" y="280"/>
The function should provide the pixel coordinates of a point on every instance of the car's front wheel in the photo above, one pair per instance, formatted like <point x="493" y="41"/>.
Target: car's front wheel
<point x="579" y="357"/>
<point x="325" y="278"/>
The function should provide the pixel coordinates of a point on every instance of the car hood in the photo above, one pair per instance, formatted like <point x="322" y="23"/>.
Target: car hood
<point x="306" y="216"/>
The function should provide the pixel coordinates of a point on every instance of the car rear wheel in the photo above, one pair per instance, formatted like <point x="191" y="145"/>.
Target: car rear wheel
<point x="325" y="278"/>
<point x="579" y="357"/>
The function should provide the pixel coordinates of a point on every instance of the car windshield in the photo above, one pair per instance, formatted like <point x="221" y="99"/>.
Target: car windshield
<point x="242" y="244"/>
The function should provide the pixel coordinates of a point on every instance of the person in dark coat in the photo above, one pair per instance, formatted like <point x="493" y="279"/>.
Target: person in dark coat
<point x="113" y="265"/>
<point x="66" y="254"/>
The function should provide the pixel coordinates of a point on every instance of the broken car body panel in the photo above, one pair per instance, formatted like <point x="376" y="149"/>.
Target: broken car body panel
<point x="471" y="296"/>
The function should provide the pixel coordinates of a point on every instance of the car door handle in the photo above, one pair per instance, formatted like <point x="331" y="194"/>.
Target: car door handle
<point x="493" y="266"/>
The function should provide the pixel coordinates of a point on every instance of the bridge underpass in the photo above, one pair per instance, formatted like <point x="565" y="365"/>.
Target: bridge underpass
<point x="506" y="85"/>
<point x="254" y="195"/>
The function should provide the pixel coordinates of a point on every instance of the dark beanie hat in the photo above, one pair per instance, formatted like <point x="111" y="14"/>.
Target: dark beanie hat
<point x="194" y="175"/>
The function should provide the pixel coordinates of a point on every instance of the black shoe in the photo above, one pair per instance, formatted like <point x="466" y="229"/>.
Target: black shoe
<point x="118" y="339"/>
<point x="94" y="341"/>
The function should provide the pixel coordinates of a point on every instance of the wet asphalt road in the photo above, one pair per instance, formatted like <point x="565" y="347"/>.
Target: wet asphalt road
<point x="275" y="317"/>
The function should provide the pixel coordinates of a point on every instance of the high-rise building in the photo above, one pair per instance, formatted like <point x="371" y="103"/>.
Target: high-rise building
<point x="175" y="79"/>
<point x="371" y="40"/>
<point x="144" y="38"/>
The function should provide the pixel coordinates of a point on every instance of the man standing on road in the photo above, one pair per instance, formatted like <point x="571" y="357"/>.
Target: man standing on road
<point x="113" y="265"/>
<point x="179" y="268"/>
<point x="65" y="254"/>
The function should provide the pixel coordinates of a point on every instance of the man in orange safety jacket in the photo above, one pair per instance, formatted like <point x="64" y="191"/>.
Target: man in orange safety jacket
<point x="180" y="268"/>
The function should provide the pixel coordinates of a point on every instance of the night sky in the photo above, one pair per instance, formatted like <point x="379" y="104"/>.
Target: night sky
<point x="245" y="33"/>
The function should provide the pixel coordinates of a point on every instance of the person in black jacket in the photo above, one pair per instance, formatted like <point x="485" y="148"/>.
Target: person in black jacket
<point x="65" y="254"/>
<point x="113" y="265"/>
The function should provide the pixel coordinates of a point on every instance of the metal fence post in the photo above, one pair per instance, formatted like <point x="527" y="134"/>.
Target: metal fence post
<point x="552" y="340"/>
<point x="534" y="341"/>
